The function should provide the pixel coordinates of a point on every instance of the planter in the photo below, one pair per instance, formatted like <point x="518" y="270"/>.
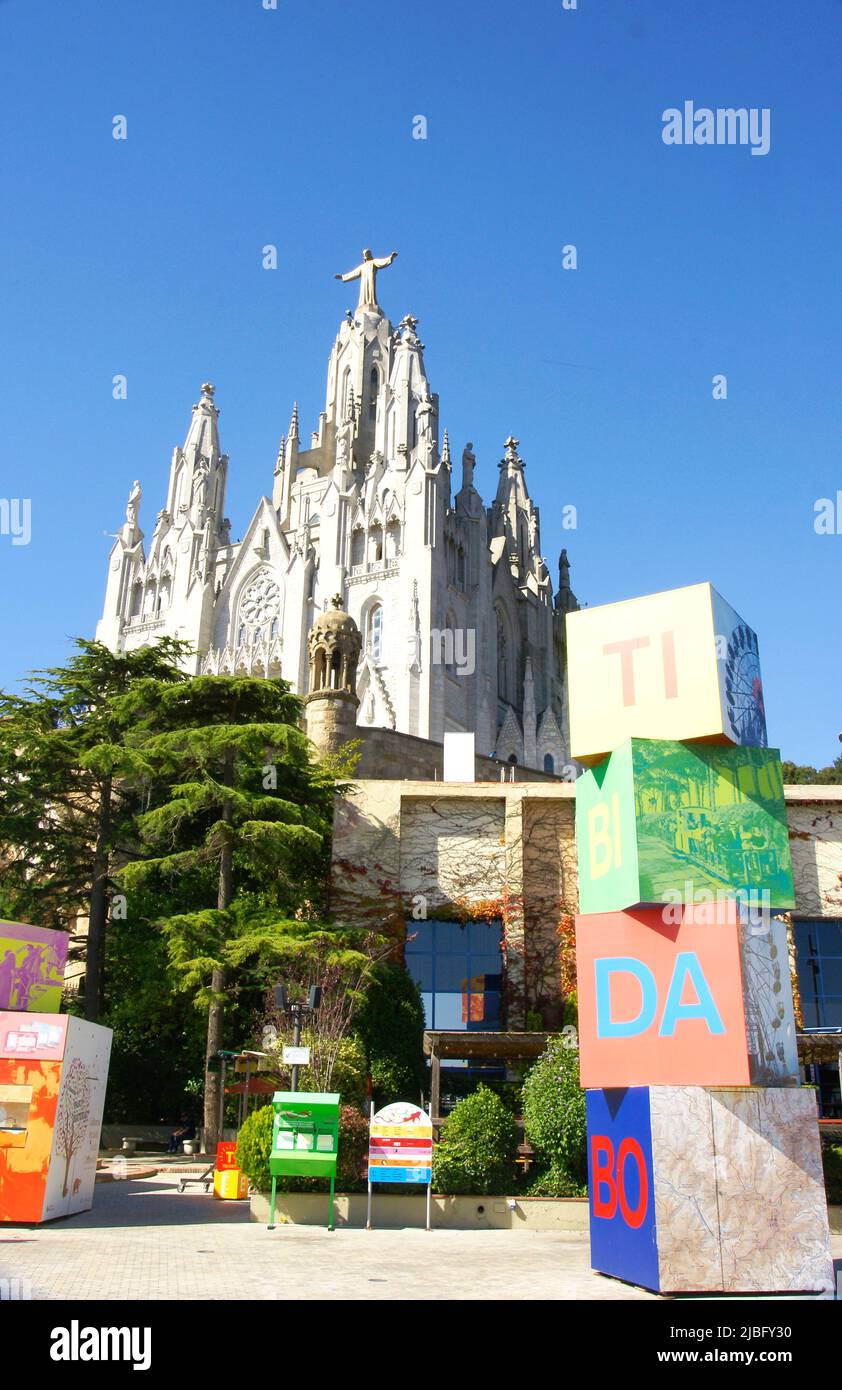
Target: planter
<point x="191" y="1146"/>
<point x="567" y="1215"/>
<point x="564" y="1215"/>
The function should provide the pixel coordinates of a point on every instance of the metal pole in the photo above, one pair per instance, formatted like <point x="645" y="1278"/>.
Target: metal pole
<point x="330" y="1216"/>
<point x="296" y="1039"/>
<point x="429" y="1190"/>
<point x="272" y="1207"/>
<point x="246" y="1093"/>
<point x="221" y="1101"/>
<point x="370" y="1118"/>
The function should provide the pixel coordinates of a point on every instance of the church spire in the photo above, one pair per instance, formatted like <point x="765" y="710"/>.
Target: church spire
<point x="293" y="424"/>
<point x="445" y="449"/>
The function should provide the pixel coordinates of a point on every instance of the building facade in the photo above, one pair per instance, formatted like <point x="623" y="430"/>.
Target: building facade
<point x="461" y="628"/>
<point x="482" y="880"/>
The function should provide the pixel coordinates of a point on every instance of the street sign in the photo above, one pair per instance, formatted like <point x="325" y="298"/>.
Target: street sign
<point x="296" y="1056"/>
<point x="400" y="1148"/>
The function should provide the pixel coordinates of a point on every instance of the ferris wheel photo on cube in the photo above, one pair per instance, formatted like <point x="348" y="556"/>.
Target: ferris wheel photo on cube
<point x="744" y="688"/>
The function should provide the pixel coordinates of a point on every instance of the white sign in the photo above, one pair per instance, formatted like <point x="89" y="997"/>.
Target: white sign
<point x="297" y="1056"/>
<point x="459" y="756"/>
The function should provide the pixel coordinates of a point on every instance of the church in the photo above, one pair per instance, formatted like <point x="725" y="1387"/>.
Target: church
<point x="461" y="630"/>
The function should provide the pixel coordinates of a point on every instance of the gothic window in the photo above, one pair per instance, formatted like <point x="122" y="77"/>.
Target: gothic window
<point x="393" y="540"/>
<point x="390" y="433"/>
<point x="259" y="605"/>
<point x="357" y="546"/>
<point x="137" y="599"/>
<point x="450" y="644"/>
<point x="460" y="567"/>
<point x="242" y="634"/>
<point x="375" y="544"/>
<point x="374" y="634"/>
<point x="549" y="762"/>
<point x="273" y="630"/>
<point x="373" y="389"/>
<point x="346" y="392"/>
<point x="502" y="659"/>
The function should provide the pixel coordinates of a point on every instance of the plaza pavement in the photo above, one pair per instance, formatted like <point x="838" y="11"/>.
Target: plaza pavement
<point x="145" y="1240"/>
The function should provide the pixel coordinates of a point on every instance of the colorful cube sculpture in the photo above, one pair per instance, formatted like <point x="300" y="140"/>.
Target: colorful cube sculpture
<point x="661" y="821"/>
<point x="696" y="1190"/>
<point x="703" y="999"/>
<point x="674" y="665"/>
<point x="53" y="1073"/>
<point x="32" y="961"/>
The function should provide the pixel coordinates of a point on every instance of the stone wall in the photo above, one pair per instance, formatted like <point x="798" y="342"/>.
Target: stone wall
<point x="508" y="850"/>
<point x="815" y="840"/>
<point x="388" y="753"/>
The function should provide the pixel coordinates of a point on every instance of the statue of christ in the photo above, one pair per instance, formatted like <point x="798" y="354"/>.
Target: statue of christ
<point x="366" y="273"/>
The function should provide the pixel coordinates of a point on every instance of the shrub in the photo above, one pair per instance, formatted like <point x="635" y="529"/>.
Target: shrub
<point x="554" y="1114"/>
<point x="555" y="1182"/>
<point x="478" y="1147"/>
<point x="390" y="1022"/>
<point x="255" y="1143"/>
<point x="832" y="1160"/>
<point x="253" y="1146"/>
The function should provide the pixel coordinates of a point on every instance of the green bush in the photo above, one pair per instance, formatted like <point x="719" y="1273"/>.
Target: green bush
<point x="832" y="1160"/>
<point x="478" y="1147"/>
<point x="253" y="1146"/>
<point x="255" y="1143"/>
<point x="390" y="1023"/>
<point x="555" y="1182"/>
<point x="554" y="1115"/>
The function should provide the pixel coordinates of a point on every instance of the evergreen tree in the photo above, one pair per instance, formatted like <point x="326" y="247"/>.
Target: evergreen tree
<point x="66" y="790"/>
<point x="246" y="815"/>
<point x="799" y="774"/>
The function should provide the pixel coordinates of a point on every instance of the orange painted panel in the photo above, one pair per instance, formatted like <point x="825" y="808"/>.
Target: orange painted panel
<point x="661" y="1002"/>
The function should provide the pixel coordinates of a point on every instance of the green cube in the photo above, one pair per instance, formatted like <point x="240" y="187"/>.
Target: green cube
<point x="666" y="822"/>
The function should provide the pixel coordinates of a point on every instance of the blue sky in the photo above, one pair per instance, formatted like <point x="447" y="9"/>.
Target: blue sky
<point x="294" y="127"/>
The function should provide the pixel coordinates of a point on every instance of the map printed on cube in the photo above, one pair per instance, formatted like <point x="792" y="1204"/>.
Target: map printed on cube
<point x="708" y="1190"/>
<point x="676" y="665"/>
<point x="663" y="821"/>
<point x="705" y="1000"/>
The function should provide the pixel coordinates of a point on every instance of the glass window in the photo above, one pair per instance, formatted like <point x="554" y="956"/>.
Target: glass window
<point x="375" y="632"/>
<point x="819" y="960"/>
<point x="459" y="971"/>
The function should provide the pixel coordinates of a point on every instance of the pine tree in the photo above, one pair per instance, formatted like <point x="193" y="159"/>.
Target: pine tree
<point x="247" y="814"/>
<point x="67" y="792"/>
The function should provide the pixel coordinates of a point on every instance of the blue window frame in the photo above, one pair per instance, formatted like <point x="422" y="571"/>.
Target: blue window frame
<point x="458" y="967"/>
<point x="818" y="945"/>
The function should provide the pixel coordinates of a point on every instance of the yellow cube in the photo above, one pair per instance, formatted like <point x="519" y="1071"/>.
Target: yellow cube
<point x="676" y="665"/>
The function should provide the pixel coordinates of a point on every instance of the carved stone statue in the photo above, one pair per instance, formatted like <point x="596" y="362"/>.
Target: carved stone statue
<point x="133" y="505"/>
<point x="469" y="463"/>
<point x="366" y="273"/>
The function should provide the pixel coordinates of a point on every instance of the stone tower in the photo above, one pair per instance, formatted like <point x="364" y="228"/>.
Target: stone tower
<point x="334" y="646"/>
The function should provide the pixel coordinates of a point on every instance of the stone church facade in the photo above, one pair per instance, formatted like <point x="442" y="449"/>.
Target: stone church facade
<point x="461" y="629"/>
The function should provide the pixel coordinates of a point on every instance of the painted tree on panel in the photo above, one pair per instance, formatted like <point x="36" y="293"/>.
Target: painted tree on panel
<point x="74" y="1113"/>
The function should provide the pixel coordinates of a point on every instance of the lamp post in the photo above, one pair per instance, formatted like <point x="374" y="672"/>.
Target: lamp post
<point x="297" y="1010"/>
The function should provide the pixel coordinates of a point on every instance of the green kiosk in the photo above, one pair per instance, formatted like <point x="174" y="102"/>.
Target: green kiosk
<point x="305" y="1140"/>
